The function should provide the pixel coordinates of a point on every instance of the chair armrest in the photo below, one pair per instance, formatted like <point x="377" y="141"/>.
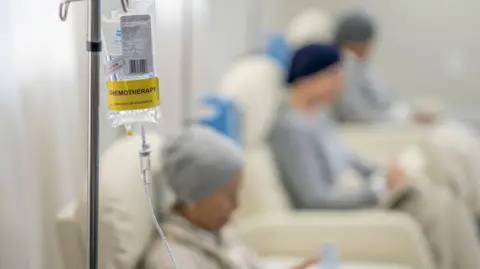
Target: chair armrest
<point x="371" y="236"/>
<point x="68" y="235"/>
<point x="382" y="143"/>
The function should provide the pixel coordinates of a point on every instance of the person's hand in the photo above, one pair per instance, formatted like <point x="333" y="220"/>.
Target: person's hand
<point x="395" y="178"/>
<point x="423" y="117"/>
<point x="306" y="264"/>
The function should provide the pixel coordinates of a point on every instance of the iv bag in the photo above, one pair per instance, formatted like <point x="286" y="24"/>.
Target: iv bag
<point x="133" y="87"/>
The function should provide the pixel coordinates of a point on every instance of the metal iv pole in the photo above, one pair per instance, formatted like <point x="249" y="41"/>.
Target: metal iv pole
<point x="94" y="48"/>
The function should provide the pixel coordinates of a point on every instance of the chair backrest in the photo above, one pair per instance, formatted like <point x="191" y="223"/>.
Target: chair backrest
<point x="72" y="247"/>
<point x="256" y="84"/>
<point x="310" y="25"/>
<point x="279" y="50"/>
<point x="125" y="223"/>
<point x="222" y="114"/>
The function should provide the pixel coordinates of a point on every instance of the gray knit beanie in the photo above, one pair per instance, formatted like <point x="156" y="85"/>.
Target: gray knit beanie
<point x="199" y="162"/>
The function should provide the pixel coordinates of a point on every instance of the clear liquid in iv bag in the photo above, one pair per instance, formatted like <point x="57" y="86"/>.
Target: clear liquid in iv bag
<point x="129" y="54"/>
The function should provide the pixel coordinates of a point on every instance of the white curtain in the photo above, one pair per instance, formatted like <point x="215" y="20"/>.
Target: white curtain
<point x="44" y="120"/>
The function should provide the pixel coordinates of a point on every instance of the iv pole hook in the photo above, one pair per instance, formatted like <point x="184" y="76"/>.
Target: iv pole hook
<point x="125" y="5"/>
<point x="63" y="8"/>
<point x="65" y="5"/>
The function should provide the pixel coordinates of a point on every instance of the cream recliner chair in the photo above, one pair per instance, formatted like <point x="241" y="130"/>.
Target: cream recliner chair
<point x="308" y="26"/>
<point x="383" y="145"/>
<point x="125" y="225"/>
<point x="126" y="228"/>
<point x="268" y="222"/>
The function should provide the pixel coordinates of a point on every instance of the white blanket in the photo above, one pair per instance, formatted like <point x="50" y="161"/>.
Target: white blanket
<point x="453" y="156"/>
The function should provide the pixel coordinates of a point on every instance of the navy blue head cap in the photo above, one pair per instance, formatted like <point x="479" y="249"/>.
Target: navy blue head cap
<point x="312" y="59"/>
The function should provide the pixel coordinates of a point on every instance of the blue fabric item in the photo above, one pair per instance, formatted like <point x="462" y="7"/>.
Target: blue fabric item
<point x="311" y="59"/>
<point x="278" y="49"/>
<point x="222" y="114"/>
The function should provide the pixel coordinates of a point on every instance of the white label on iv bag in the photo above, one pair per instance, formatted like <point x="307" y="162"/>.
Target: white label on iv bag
<point x="112" y="36"/>
<point x="137" y="48"/>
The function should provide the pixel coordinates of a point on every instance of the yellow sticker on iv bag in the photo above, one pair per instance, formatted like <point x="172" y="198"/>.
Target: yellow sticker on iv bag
<point x="133" y="94"/>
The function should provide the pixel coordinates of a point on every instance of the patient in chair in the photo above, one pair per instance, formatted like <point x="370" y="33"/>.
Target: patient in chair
<point x="318" y="170"/>
<point x="364" y="99"/>
<point x="204" y="171"/>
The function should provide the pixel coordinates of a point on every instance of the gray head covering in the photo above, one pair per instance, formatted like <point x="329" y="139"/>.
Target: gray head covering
<point x="199" y="162"/>
<point x="355" y="27"/>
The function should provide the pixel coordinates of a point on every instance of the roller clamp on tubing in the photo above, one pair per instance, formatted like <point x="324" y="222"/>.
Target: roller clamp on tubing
<point x="144" y="154"/>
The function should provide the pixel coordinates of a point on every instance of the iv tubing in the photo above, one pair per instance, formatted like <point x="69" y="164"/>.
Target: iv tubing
<point x="162" y="236"/>
<point x="145" y="167"/>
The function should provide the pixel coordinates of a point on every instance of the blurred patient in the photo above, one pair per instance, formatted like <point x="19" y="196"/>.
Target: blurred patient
<point x="317" y="169"/>
<point x="364" y="99"/>
<point x="204" y="170"/>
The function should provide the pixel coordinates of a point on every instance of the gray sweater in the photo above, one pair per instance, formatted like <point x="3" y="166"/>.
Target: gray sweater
<point x="311" y="157"/>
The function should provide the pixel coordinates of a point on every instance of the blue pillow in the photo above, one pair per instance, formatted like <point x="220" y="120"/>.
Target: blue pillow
<point x="222" y="114"/>
<point x="278" y="49"/>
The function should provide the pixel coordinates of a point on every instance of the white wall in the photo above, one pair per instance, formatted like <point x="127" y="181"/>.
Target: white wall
<point x="427" y="47"/>
<point x="225" y="30"/>
<point x="220" y="35"/>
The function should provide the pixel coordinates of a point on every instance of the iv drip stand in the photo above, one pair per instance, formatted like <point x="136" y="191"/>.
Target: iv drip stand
<point x="94" y="48"/>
